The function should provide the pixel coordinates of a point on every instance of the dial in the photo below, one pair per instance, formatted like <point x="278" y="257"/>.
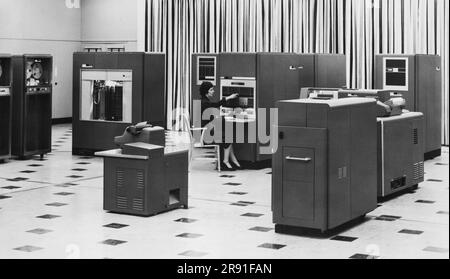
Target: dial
<point x="37" y="70"/>
<point x="29" y="69"/>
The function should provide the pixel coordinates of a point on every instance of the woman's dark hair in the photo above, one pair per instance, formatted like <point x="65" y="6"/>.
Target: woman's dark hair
<point x="204" y="88"/>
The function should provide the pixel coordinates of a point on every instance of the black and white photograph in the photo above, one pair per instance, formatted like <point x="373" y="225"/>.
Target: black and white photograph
<point x="221" y="135"/>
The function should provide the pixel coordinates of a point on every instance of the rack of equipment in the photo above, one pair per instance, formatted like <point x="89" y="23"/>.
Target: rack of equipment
<point x="418" y="78"/>
<point x="5" y="106"/>
<point x="262" y="79"/>
<point x="32" y="105"/>
<point x="111" y="90"/>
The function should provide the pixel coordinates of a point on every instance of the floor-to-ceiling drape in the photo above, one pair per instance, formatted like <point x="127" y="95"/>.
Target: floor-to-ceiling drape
<point x="358" y="28"/>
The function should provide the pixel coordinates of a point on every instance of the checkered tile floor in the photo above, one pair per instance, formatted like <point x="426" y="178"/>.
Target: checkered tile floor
<point x="53" y="209"/>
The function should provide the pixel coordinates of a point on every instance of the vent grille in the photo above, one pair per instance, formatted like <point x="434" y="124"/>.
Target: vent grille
<point x="138" y="204"/>
<point x="140" y="179"/>
<point x="418" y="171"/>
<point x="415" y="136"/>
<point x="120" y="177"/>
<point x="122" y="202"/>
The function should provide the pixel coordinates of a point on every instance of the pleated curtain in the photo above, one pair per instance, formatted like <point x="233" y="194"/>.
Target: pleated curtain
<point x="358" y="28"/>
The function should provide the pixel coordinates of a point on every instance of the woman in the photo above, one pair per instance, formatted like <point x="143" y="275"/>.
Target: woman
<point x="207" y="94"/>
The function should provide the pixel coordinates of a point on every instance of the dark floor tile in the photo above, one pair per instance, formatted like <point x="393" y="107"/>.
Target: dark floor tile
<point x="39" y="231"/>
<point x="28" y="248"/>
<point x="113" y="242"/>
<point x="246" y="202"/>
<point x="18" y="179"/>
<point x="60" y="141"/>
<point x="227" y="176"/>
<point x="56" y="145"/>
<point x="115" y="226"/>
<point x="362" y="257"/>
<point x="436" y="249"/>
<point x="434" y="180"/>
<point x="261" y="229"/>
<point x="4" y="197"/>
<point x="11" y="187"/>
<point x="83" y="163"/>
<point x="272" y="246"/>
<point x="186" y="220"/>
<point x="56" y="204"/>
<point x="189" y="235"/>
<point x="48" y="216"/>
<point x="70" y="184"/>
<point x="344" y="238"/>
<point x="35" y="165"/>
<point x="78" y="169"/>
<point x="391" y="216"/>
<point x="238" y="193"/>
<point x="425" y="201"/>
<point x="385" y="219"/>
<point x="191" y="253"/>
<point x="40" y="160"/>
<point x="86" y="158"/>
<point x="441" y="164"/>
<point x="28" y="171"/>
<point x="254" y="215"/>
<point x="443" y="212"/>
<point x="64" y="194"/>
<point x="238" y="204"/>
<point x="379" y="205"/>
<point x="410" y="231"/>
<point x="74" y="176"/>
<point x="269" y="173"/>
<point x="232" y="184"/>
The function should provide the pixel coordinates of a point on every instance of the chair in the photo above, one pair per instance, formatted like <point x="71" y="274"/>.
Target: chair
<point x="200" y="142"/>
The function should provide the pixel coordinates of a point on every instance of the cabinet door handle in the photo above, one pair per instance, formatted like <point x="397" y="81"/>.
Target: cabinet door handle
<point x="305" y="160"/>
<point x="292" y="68"/>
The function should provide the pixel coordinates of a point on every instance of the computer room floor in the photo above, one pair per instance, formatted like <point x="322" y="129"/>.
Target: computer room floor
<point x="53" y="209"/>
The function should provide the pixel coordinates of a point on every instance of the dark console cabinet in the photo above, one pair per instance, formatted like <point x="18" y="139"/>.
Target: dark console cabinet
<point x="324" y="168"/>
<point x="5" y="106"/>
<point x="419" y="79"/>
<point x="111" y="91"/>
<point x="32" y="105"/>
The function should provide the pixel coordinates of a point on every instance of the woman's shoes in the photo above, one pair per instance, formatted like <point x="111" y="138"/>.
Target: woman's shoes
<point x="226" y="167"/>
<point x="235" y="166"/>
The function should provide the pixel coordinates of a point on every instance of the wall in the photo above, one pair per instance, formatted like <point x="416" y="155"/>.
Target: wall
<point x="107" y="23"/>
<point x="48" y="27"/>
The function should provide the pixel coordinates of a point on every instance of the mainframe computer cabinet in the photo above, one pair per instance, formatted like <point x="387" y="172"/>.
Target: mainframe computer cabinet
<point x="419" y="79"/>
<point x="5" y="106"/>
<point x="400" y="153"/>
<point x="112" y="90"/>
<point x="324" y="169"/>
<point x="32" y="105"/>
<point x="205" y="68"/>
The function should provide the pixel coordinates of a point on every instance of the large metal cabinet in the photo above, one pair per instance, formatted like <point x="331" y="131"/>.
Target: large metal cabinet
<point x="418" y="78"/>
<point x="112" y="90"/>
<point x="400" y="152"/>
<point x="5" y="106"/>
<point x="140" y="179"/>
<point x="32" y="105"/>
<point x="324" y="167"/>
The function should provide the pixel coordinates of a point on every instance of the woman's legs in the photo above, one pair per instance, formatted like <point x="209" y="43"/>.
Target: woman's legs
<point x="226" y="156"/>
<point x="233" y="157"/>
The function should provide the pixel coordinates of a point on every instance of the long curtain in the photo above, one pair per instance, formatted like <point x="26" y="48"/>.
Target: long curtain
<point x="358" y="28"/>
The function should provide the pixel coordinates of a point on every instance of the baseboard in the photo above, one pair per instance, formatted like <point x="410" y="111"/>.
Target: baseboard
<point x="67" y="120"/>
